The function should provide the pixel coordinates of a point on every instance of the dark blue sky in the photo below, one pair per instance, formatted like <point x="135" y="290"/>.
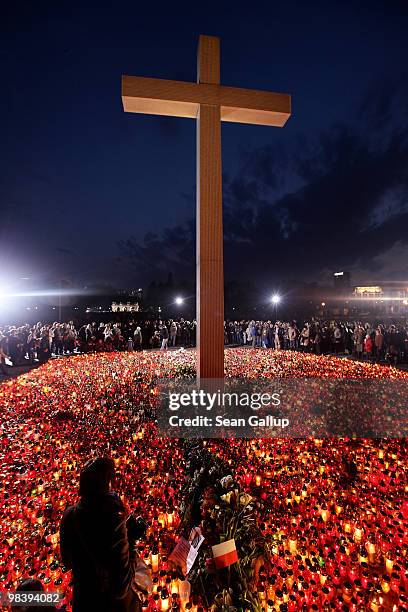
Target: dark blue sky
<point x="82" y="183"/>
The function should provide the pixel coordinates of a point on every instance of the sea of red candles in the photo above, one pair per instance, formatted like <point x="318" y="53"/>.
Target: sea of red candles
<point x="57" y="416"/>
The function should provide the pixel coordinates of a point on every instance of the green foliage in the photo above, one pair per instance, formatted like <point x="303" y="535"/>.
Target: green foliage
<point x="225" y="514"/>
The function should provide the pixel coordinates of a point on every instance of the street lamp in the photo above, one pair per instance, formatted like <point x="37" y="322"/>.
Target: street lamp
<point x="179" y="301"/>
<point x="275" y="300"/>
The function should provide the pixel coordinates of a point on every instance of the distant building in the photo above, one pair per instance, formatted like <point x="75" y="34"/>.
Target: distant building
<point x="388" y="298"/>
<point x="125" y="307"/>
<point x="386" y="291"/>
<point x="368" y="292"/>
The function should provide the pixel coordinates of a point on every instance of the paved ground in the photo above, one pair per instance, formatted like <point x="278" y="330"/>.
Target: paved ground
<point x="13" y="372"/>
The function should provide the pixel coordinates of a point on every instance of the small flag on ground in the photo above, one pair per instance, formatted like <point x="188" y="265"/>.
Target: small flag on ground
<point x="225" y="554"/>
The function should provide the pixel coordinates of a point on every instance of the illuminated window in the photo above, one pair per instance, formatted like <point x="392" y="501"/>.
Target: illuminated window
<point x="368" y="291"/>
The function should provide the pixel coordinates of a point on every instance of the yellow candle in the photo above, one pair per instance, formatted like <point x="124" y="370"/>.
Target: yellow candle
<point x="375" y="605"/>
<point x="325" y="515"/>
<point x="292" y="545"/>
<point x="371" y="551"/>
<point x="362" y="557"/>
<point x="358" y="533"/>
<point x="164" y="603"/>
<point x="262" y="595"/>
<point x="155" y="561"/>
<point x="385" y="584"/>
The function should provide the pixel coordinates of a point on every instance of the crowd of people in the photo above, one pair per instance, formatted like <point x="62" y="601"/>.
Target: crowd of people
<point x="372" y="341"/>
<point x="37" y="343"/>
<point x="19" y="344"/>
<point x="25" y="343"/>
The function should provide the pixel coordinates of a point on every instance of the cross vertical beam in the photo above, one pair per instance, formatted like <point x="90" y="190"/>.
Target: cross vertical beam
<point x="210" y="269"/>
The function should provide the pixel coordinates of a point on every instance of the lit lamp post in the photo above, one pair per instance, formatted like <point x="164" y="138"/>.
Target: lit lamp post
<point x="275" y="300"/>
<point x="179" y="301"/>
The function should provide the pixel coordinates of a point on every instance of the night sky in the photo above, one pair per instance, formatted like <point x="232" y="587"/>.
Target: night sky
<point x="94" y="195"/>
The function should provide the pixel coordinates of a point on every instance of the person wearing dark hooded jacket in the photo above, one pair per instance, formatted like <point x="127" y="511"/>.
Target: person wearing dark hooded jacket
<point x="95" y="545"/>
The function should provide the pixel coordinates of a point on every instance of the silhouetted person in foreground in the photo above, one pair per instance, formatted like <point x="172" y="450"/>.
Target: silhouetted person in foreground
<point x="95" y="544"/>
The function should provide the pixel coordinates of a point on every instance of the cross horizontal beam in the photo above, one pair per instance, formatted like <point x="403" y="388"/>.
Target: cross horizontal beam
<point x="182" y="99"/>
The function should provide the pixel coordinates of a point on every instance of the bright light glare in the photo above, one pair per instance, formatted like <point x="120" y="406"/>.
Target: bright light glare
<point x="4" y="292"/>
<point x="275" y="299"/>
<point x="4" y="298"/>
<point x="179" y="301"/>
<point x="48" y="293"/>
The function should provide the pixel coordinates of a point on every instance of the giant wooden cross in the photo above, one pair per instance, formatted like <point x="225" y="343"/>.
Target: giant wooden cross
<point x="209" y="103"/>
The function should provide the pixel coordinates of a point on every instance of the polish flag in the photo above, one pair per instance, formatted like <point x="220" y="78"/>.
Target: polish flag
<point x="225" y="554"/>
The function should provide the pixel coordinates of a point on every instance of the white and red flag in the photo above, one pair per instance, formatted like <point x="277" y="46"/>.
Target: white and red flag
<point x="225" y="554"/>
